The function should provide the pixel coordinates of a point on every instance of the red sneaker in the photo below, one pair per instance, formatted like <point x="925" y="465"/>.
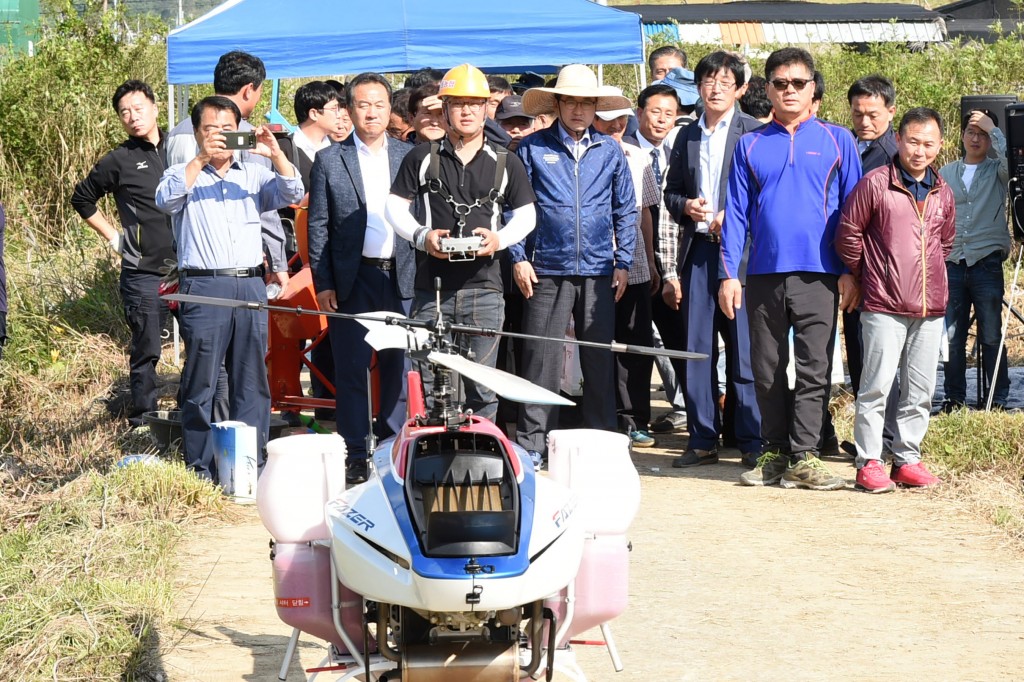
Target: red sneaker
<point x="872" y="478"/>
<point x="914" y="476"/>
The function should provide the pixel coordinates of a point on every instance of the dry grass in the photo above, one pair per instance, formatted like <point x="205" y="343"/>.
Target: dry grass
<point x="88" y="549"/>
<point x="91" y="566"/>
<point x="980" y="456"/>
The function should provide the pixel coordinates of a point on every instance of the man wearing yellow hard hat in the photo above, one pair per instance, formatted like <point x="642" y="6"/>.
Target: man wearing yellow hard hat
<point x="459" y="187"/>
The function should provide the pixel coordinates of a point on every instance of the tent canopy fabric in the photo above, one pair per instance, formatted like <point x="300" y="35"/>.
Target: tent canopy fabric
<point x="324" y="37"/>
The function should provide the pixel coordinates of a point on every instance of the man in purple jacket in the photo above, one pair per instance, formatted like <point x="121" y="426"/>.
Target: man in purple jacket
<point x="787" y="183"/>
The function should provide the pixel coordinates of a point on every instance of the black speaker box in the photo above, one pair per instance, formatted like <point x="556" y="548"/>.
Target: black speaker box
<point x="1015" y="159"/>
<point x="994" y="103"/>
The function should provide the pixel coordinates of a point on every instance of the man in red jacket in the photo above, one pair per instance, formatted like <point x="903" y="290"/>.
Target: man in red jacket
<point x="896" y="229"/>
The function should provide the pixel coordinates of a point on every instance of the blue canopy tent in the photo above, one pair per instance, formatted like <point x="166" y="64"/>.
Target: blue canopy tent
<point x="319" y="37"/>
<point x="323" y="37"/>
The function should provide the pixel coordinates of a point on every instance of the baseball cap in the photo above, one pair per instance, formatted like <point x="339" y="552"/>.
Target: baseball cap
<point x="511" y="107"/>
<point x="683" y="81"/>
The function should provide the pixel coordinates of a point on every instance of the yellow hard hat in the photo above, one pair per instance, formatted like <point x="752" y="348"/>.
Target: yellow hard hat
<point x="464" y="81"/>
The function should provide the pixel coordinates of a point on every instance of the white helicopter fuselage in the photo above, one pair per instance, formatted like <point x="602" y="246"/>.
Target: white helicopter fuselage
<point x="370" y="533"/>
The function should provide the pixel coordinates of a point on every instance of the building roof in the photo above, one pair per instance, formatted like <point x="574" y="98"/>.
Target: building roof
<point x="758" y="23"/>
<point x="783" y="12"/>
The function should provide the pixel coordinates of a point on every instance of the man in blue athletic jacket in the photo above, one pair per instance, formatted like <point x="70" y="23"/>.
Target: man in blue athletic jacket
<point x="787" y="182"/>
<point x="575" y="264"/>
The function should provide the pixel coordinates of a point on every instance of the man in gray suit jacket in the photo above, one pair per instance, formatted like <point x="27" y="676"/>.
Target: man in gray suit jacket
<point x="695" y="194"/>
<point x="358" y="266"/>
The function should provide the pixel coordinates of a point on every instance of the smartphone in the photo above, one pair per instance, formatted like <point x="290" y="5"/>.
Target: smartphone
<point x="236" y="139"/>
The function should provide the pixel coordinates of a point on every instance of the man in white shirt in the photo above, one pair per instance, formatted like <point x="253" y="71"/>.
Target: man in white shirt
<point x="318" y="110"/>
<point x="318" y="113"/>
<point x="695" y="197"/>
<point x="358" y="266"/>
<point x="658" y="107"/>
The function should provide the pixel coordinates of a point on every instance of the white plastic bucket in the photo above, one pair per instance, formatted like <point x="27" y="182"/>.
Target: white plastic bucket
<point x="234" y="444"/>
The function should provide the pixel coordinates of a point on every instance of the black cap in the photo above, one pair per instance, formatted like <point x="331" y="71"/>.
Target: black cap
<point x="511" y="107"/>
<point x="526" y="81"/>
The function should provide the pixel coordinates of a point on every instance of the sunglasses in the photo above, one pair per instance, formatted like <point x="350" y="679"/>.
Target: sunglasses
<point x="781" y="84"/>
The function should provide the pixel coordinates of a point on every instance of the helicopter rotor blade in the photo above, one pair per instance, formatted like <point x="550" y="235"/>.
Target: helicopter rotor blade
<point x="384" y="330"/>
<point x="504" y="384"/>
<point x="402" y="321"/>
<point x="614" y="346"/>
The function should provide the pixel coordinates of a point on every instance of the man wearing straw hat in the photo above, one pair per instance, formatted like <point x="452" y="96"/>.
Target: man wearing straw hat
<point x="575" y="263"/>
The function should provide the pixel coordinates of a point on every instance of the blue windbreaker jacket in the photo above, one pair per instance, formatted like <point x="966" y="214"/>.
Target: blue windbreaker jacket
<point x="581" y="206"/>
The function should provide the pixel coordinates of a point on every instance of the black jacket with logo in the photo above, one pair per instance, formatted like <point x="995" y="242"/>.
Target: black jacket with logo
<point x="131" y="172"/>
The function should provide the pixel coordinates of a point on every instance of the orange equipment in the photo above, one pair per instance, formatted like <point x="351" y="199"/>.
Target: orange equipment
<point x="286" y="356"/>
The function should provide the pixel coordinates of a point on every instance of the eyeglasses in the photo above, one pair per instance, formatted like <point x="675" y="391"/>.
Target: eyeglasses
<point x="579" y="103"/>
<point x="980" y="134"/>
<point x="781" y="84"/>
<point x="475" y="105"/>
<point x="336" y="110"/>
<point x="710" y="83"/>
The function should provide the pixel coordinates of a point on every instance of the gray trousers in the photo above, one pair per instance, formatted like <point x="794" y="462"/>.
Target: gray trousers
<point x="910" y="346"/>
<point x="590" y="302"/>
<point x="806" y="303"/>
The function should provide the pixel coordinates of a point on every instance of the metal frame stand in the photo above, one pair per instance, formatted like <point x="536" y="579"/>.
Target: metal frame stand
<point x="1006" y="324"/>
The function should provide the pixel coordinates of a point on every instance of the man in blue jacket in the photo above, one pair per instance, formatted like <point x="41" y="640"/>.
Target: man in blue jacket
<point x="787" y="183"/>
<point x="575" y="263"/>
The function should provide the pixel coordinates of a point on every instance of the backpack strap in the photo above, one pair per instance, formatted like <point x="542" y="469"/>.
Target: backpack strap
<point x="434" y="167"/>
<point x="295" y="152"/>
<point x="499" y="174"/>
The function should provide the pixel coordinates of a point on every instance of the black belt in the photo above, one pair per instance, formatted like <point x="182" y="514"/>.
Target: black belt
<point x="708" y="237"/>
<point x="224" y="272"/>
<point x="385" y="264"/>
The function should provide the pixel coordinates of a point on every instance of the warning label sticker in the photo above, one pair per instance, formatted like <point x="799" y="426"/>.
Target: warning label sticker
<point x="293" y="602"/>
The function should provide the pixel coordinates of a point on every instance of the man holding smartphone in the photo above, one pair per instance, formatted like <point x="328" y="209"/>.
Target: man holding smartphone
<point x="239" y="77"/>
<point x="216" y="201"/>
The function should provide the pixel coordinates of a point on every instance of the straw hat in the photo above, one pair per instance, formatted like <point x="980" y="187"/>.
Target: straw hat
<point x="574" y="80"/>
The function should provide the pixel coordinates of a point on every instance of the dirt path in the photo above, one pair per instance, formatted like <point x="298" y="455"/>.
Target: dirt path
<point x="727" y="583"/>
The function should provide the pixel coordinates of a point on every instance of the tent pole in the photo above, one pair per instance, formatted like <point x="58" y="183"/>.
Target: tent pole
<point x="600" y="67"/>
<point x="600" y="74"/>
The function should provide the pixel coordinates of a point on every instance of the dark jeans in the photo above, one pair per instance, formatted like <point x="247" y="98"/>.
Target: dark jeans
<point x="474" y="307"/>
<point x="632" y="370"/>
<point x="146" y="314"/>
<point x="980" y="285"/>
<point x="806" y="303"/>
<point x="590" y="303"/>
<point x="219" y="338"/>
